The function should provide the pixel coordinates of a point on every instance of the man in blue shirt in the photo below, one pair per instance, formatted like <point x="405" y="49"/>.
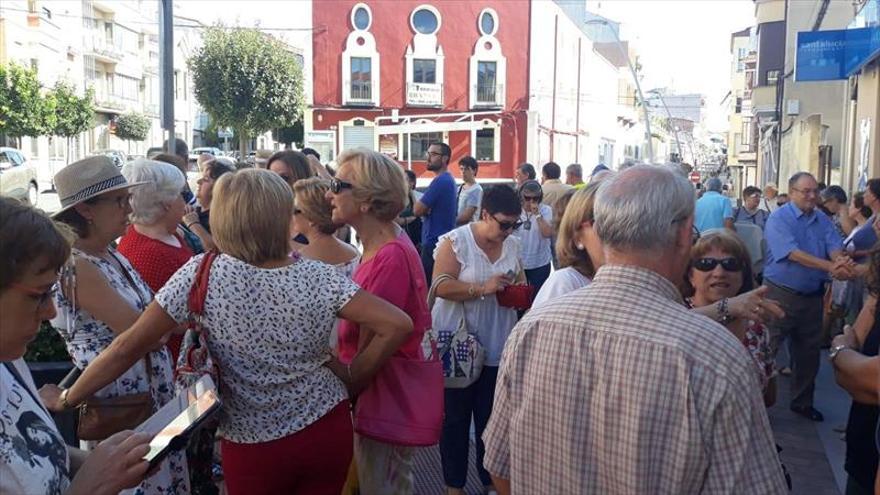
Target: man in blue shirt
<point x="713" y="209"/>
<point x="438" y="205"/>
<point x="802" y="249"/>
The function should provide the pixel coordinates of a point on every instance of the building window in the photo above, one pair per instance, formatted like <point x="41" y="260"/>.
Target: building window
<point x="488" y="22"/>
<point x="424" y="71"/>
<point x="425" y="19"/>
<point x="740" y="59"/>
<point x="739" y="105"/>
<point x="361" y="78"/>
<point x="772" y="77"/>
<point x="485" y="145"/>
<point x="419" y="142"/>
<point x="361" y="17"/>
<point x="486" y="81"/>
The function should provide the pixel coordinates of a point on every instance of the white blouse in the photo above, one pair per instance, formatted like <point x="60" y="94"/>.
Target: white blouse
<point x="267" y="331"/>
<point x="559" y="283"/>
<point x="487" y="320"/>
<point x="536" y="251"/>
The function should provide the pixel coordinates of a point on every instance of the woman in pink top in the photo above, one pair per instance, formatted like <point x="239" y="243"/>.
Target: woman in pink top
<point x="368" y="193"/>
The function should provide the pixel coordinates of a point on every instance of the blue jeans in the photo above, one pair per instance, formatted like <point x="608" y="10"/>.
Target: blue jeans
<point x="459" y="405"/>
<point x="427" y="255"/>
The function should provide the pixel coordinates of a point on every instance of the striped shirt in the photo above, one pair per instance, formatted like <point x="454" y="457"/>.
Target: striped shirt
<point x="617" y="388"/>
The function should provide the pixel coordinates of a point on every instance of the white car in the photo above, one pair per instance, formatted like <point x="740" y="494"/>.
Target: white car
<point x="195" y="152"/>
<point x="18" y="176"/>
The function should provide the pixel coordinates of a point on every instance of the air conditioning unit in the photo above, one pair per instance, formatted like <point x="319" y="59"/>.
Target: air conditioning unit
<point x="793" y="107"/>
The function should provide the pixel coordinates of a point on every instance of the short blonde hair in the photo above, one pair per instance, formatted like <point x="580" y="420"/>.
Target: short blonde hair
<point x="378" y="181"/>
<point x="311" y="199"/>
<point x="250" y="215"/>
<point x="578" y="211"/>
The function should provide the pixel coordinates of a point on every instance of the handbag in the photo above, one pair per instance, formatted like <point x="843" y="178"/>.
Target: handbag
<point x="195" y="360"/>
<point x="101" y="418"/>
<point x="516" y="296"/>
<point x="461" y="354"/>
<point x="404" y="403"/>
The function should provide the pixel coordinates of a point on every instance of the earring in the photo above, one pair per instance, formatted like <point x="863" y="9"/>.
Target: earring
<point x="579" y="246"/>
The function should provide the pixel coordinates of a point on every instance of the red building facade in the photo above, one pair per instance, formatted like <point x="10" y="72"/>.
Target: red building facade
<point x="395" y="75"/>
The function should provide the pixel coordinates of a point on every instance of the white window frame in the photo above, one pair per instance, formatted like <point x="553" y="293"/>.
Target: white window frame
<point x="491" y="54"/>
<point x="365" y="50"/>
<point x="425" y="46"/>
<point x="488" y="124"/>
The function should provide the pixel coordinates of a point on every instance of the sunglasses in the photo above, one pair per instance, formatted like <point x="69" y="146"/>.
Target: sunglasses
<point x="709" y="264"/>
<point x="533" y="199"/>
<point x="336" y="186"/>
<point x="508" y="225"/>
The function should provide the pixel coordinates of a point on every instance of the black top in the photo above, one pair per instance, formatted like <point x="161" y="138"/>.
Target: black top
<point x="861" y="450"/>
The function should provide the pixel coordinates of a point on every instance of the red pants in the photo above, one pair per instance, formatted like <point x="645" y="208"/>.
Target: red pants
<point x="313" y="460"/>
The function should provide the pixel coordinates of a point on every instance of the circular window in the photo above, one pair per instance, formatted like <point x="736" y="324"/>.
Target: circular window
<point x="425" y="20"/>
<point x="488" y="22"/>
<point x="361" y="17"/>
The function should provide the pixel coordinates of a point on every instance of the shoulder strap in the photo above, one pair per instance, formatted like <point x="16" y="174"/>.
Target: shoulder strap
<point x="199" y="291"/>
<point x="129" y="278"/>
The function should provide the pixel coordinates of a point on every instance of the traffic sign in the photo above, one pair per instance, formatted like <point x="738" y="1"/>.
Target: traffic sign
<point x="695" y="177"/>
<point x="224" y="133"/>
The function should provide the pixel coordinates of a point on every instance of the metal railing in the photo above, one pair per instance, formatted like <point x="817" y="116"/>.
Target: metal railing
<point x="489" y="95"/>
<point x="361" y="91"/>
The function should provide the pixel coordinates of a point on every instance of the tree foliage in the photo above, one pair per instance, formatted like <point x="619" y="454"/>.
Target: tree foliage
<point x="73" y="113"/>
<point x="290" y="134"/>
<point x="247" y="80"/>
<point x="132" y="127"/>
<point x="23" y="110"/>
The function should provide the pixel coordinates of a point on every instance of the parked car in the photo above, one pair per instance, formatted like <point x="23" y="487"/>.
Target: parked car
<point x="119" y="158"/>
<point x="18" y="176"/>
<point x="194" y="154"/>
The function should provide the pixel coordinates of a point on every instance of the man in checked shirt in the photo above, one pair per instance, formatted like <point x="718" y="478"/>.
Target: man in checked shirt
<point x="617" y="388"/>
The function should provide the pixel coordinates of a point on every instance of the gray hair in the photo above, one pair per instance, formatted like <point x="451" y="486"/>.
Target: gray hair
<point x="640" y="208"/>
<point x="798" y="176"/>
<point x="714" y="184"/>
<point x="575" y="170"/>
<point x="164" y="182"/>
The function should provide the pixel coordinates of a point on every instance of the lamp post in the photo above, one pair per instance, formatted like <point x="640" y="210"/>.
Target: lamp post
<point x="635" y="77"/>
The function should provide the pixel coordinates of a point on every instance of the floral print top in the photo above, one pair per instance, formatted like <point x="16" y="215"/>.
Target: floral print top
<point x="86" y="337"/>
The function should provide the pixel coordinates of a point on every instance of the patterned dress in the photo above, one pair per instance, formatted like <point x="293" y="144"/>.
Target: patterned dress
<point x="86" y="337"/>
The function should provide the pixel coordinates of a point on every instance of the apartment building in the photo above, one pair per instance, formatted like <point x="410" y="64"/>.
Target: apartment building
<point x="742" y="133"/>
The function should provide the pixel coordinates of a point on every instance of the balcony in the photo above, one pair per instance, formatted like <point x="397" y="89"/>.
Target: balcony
<point x="488" y="96"/>
<point x="360" y="94"/>
<point x="764" y="101"/>
<point x="424" y="95"/>
<point x="104" y="50"/>
<point x="109" y="103"/>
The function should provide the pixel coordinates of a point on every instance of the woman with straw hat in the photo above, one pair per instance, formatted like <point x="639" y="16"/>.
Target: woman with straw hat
<point x="102" y="295"/>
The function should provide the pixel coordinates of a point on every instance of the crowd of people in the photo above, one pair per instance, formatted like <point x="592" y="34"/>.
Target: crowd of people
<point x="642" y="361"/>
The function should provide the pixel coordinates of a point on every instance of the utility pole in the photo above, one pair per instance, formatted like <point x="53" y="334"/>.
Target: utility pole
<point x="166" y="68"/>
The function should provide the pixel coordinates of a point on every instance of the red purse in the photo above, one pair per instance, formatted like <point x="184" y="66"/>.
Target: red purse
<point x="516" y="296"/>
<point x="194" y="360"/>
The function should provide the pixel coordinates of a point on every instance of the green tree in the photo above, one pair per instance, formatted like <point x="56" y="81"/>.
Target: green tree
<point x="23" y="110"/>
<point x="132" y="127"/>
<point x="290" y="135"/>
<point x="247" y="80"/>
<point x="73" y="114"/>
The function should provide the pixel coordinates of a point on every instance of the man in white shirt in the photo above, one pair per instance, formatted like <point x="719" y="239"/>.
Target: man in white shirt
<point x="768" y="202"/>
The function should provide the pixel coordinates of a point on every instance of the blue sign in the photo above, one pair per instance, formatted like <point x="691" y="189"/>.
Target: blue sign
<point x="836" y="54"/>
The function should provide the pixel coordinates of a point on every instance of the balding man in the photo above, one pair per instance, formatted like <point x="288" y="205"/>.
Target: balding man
<point x="714" y="210"/>
<point x="617" y="388"/>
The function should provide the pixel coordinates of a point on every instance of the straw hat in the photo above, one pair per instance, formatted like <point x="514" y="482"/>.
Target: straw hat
<point x="84" y="179"/>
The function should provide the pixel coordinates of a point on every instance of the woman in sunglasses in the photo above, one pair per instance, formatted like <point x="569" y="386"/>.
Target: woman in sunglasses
<point x="720" y="270"/>
<point x="482" y="258"/>
<point x="535" y="234"/>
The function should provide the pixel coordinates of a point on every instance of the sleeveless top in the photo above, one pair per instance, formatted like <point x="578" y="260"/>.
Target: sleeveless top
<point x="861" y="451"/>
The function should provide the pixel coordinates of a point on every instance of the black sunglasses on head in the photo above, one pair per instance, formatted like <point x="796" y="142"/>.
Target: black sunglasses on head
<point x="709" y="264"/>
<point x="336" y="186"/>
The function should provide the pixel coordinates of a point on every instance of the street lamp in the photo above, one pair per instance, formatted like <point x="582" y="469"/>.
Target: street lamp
<point x="635" y="77"/>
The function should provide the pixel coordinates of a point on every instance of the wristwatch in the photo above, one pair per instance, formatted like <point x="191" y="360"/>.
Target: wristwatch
<point x="836" y="350"/>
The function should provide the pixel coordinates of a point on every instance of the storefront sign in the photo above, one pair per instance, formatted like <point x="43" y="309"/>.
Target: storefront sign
<point x="836" y="54"/>
<point x="388" y="145"/>
<point x="424" y="94"/>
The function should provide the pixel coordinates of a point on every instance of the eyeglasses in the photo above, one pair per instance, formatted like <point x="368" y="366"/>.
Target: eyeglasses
<point x="533" y="199"/>
<point x="433" y="153"/>
<point x="42" y="297"/>
<point x="121" y="201"/>
<point x="336" y="186"/>
<point x="709" y="264"/>
<point x="806" y="192"/>
<point x="507" y="225"/>
<point x="780" y="203"/>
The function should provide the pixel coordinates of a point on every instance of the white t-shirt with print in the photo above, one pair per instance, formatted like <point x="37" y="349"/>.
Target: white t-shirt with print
<point x="33" y="456"/>
<point x="268" y="330"/>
